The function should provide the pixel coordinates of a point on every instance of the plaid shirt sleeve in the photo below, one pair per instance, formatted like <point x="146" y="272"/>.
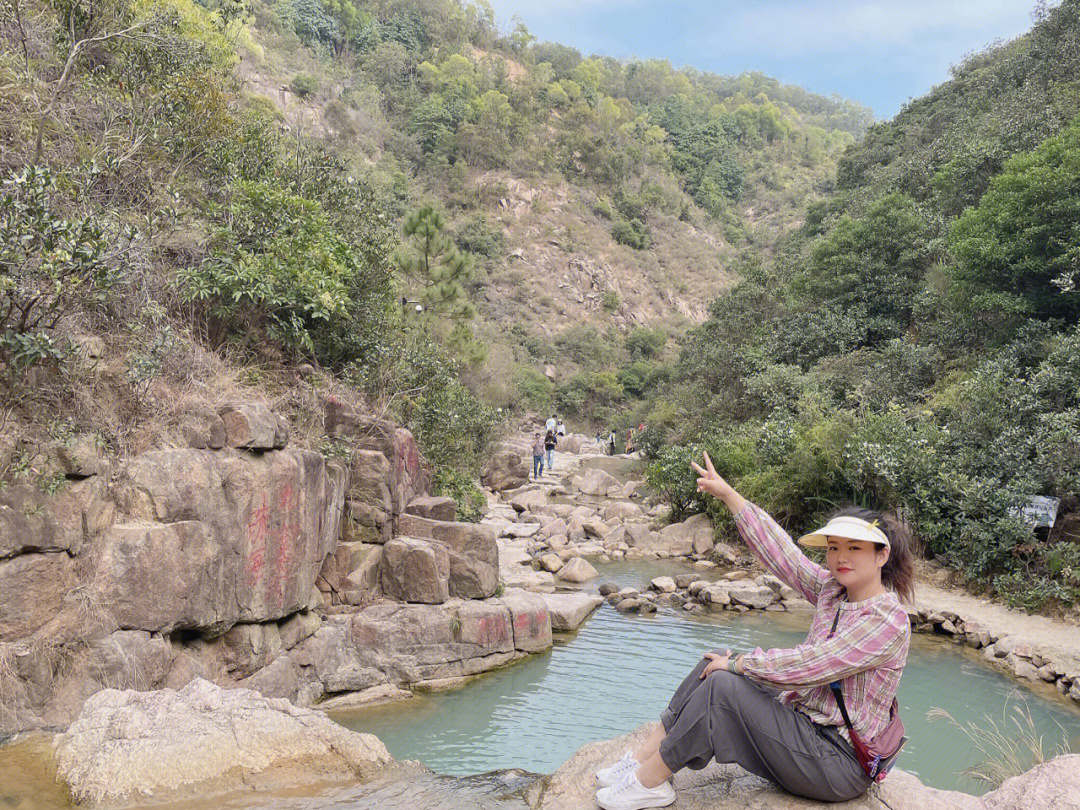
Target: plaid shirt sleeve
<point x="872" y="639"/>
<point x="778" y="552"/>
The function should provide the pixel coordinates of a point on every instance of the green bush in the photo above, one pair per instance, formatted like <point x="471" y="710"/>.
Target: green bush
<point x="534" y="388"/>
<point x="304" y="85"/>
<point x="633" y="233"/>
<point x="51" y="268"/>
<point x="610" y="301"/>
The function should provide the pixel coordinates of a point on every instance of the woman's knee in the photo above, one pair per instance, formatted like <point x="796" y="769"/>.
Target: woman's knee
<point x="723" y="687"/>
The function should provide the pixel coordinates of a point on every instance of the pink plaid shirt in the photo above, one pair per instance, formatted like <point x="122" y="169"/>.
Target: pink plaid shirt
<point x="867" y="654"/>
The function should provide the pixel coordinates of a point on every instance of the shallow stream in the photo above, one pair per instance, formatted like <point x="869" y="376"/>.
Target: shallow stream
<point x="619" y="671"/>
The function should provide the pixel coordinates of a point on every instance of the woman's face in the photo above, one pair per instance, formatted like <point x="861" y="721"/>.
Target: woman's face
<point x="855" y="563"/>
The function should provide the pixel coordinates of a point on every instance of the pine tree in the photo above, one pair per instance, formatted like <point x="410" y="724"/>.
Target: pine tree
<point x="434" y="267"/>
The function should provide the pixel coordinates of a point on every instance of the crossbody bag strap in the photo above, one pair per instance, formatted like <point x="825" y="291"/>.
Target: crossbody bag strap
<point x="835" y="685"/>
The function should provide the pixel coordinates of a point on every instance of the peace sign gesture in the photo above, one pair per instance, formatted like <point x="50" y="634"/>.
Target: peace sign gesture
<point x="710" y="481"/>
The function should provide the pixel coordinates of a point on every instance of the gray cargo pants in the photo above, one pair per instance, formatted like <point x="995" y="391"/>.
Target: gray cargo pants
<point x="731" y="718"/>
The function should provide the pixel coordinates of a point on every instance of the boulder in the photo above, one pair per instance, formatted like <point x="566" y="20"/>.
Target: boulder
<point x="622" y="511"/>
<point x="226" y="537"/>
<point x="530" y="619"/>
<point x="554" y="527"/>
<point x="551" y="562"/>
<point x="473" y="550"/>
<point x="32" y="521"/>
<point x="577" y="570"/>
<point x="596" y="482"/>
<point x="415" y="570"/>
<point x="253" y="426"/>
<point x="693" y="536"/>
<point x="408" y="474"/>
<point x="532" y="500"/>
<point x="435" y="507"/>
<point x="137" y="747"/>
<point x="729" y="787"/>
<point x="754" y="596"/>
<point x="202" y="428"/>
<point x="32" y="589"/>
<point x="505" y="470"/>
<point x="663" y="584"/>
<point x="569" y="610"/>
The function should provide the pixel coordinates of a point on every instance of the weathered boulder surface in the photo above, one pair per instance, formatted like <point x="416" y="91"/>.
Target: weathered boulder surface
<point x="569" y="610"/>
<point x="505" y="470"/>
<point x="435" y="507"/>
<point x="577" y="570"/>
<point x="387" y="472"/>
<point x="596" y="482"/>
<point x="693" y="536"/>
<point x="214" y="539"/>
<point x="729" y="787"/>
<point x="473" y="552"/>
<point x="131" y="747"/>
<point x="415" y="571"/>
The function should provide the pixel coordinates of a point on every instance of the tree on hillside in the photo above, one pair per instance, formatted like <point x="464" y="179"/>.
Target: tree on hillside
<point x="1019" y="249"/>
<point x="433" y="267"/>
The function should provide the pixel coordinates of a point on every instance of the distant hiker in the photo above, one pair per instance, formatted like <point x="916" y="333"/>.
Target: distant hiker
<point x="549" y="444"/>
<point x="561" y="430"/>
<point x="550" y="424"/>
<point x="629" y="441"/>
<point x="819" y="719"/>
<point x="538" y="456"/>
<point x="611" y="442"/>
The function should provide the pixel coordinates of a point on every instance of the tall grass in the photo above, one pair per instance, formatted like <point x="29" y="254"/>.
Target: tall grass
<point x="1008" y="747"/>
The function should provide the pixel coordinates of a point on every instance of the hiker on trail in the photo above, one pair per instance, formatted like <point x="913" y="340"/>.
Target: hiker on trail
<point x="550" y="424"/>
<point x="549" y="444"/>
<point x="611" y="442"/>
<point x="561" y="430"/>
<point x="833" y="730"/>
<point x="538" y="456"/>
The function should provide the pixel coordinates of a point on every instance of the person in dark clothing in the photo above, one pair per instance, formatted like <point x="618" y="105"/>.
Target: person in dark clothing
<point x="549" y="444"/>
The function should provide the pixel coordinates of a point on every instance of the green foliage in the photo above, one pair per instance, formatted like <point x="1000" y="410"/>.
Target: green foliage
<point x="468" y="497"/>
<point x="644" y="343"/>
<point x="51" y="268"/>
<point x="304" y="84"/>
<point x="1019" y="249"/>
<point x="274" y="262"/>
<point x="535" y="389"/>
<point x="610" y="301"/>
<point x="433" y="265"/>
<point x="480" y="238"/>
<point x="633" y="233"/>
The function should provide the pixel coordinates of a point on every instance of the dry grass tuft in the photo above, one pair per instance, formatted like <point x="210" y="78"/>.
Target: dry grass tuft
<point x="1008" y="748"/>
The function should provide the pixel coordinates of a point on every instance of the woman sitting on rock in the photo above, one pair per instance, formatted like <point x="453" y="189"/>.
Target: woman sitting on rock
<point x="857" y="644"/>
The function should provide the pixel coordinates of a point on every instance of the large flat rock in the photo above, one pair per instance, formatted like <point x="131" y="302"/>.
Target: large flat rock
<point x="729" y="787"/>
<point x="569" y="610"/>
<point x="132" y="747"/>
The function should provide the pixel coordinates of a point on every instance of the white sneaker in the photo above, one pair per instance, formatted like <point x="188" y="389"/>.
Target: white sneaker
<point x="630" y="794"/>
<point x="611" y="775"/>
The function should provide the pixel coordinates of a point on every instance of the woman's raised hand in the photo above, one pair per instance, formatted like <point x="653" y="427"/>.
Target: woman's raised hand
<point x="710" y="481"/>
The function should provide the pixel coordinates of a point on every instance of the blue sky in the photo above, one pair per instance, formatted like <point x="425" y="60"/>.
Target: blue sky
<point x="878" y="52"/>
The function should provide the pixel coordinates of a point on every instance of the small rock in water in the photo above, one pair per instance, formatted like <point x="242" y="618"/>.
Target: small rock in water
<point x="607" y="588"/>
<point x="577" y="570"/>
<point x="663" y="584"/>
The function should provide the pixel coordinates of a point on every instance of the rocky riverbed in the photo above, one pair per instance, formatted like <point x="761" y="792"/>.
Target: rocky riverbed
<point x="359" y="586"/>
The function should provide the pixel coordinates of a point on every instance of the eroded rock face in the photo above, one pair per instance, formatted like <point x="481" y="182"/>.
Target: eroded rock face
<point x="415" y="571"/>
<point x="217" y="539"/>
<point x="132" y="747"/>
<point x="473" y="552"/>
<point x="505" y="470"/>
